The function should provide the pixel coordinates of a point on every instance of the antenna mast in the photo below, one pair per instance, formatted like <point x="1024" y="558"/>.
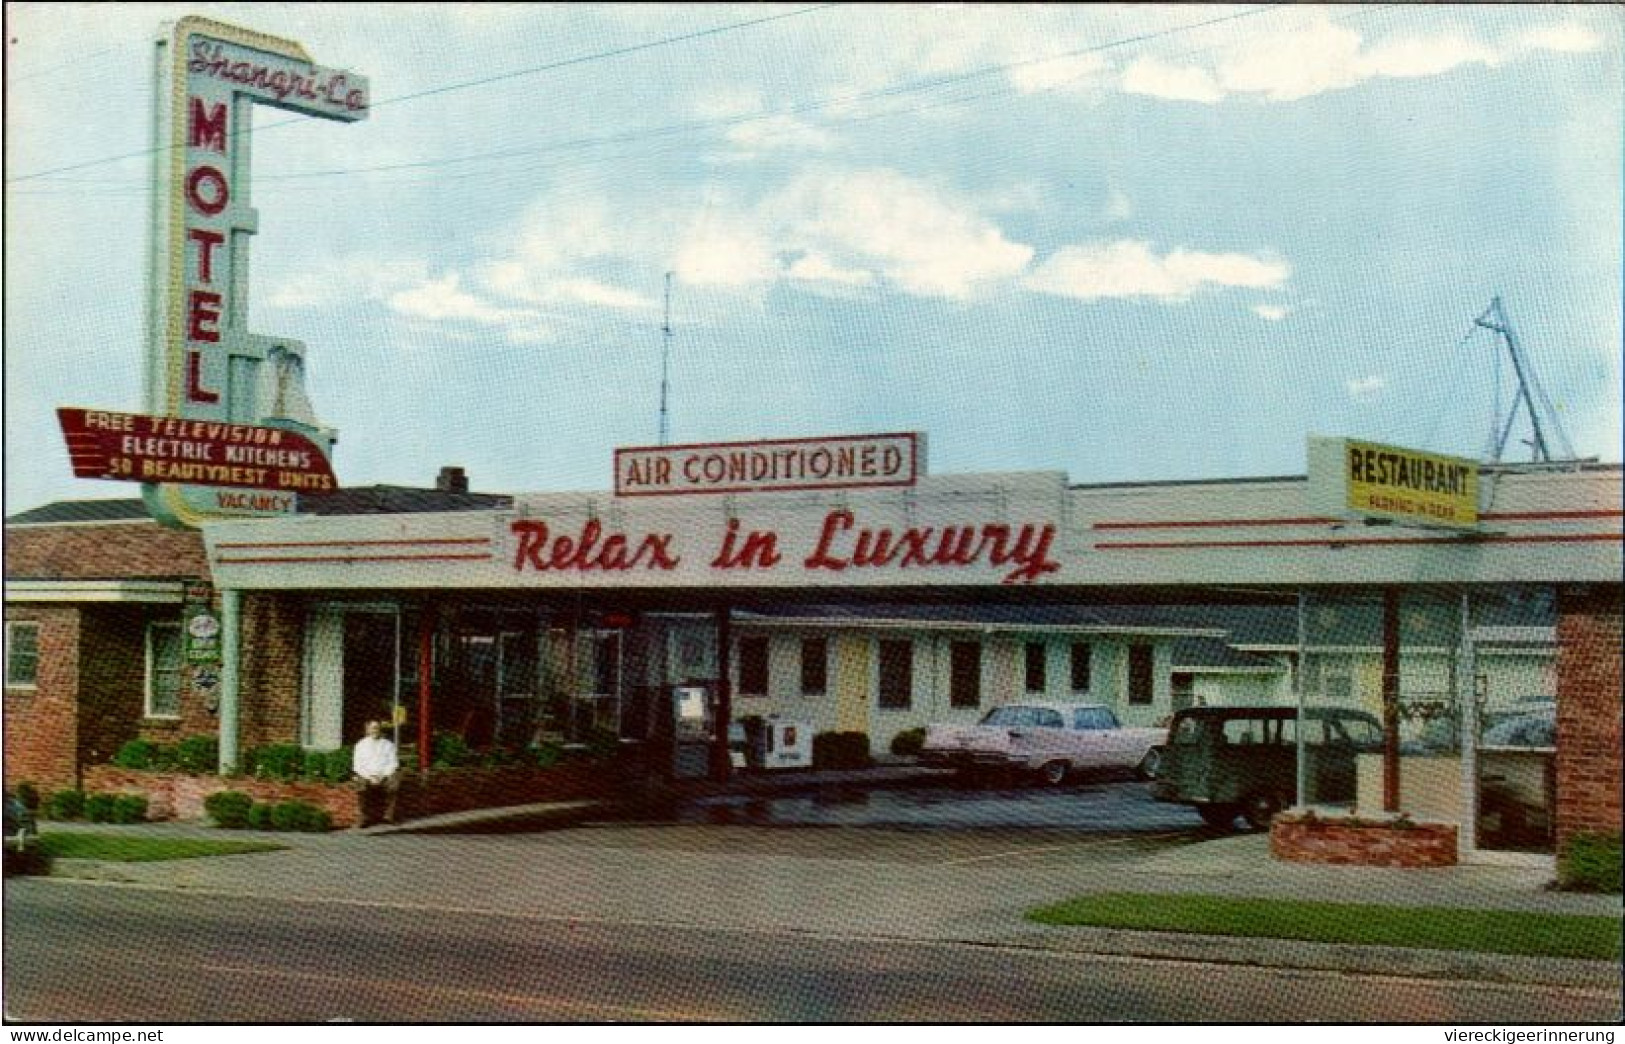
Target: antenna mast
<point x="1529" y="391"/>
<point x="665" y="365"/>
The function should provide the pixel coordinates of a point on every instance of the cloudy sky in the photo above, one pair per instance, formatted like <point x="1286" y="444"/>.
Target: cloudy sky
<point x="1122" y="242"/>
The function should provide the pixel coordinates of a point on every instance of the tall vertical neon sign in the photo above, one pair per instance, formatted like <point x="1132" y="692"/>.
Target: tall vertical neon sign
<point x="202" y="362"/>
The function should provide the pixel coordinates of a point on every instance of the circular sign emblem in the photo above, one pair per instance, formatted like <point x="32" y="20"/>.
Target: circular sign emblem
<point x="206" y="678"/>
<point x="204" y="626"/>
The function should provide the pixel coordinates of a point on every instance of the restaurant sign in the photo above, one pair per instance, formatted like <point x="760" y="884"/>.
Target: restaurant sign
<point x="774" y="465"/>
<point x="1349" y="478"/>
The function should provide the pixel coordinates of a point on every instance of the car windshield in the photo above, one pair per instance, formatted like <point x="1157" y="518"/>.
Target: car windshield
<point x="1024" y="717"/>
<point x="1532" y="726"/>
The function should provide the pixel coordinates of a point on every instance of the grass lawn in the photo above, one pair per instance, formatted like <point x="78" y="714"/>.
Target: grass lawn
<point x="1433" y="928"/>
<point x="143" y="849"/>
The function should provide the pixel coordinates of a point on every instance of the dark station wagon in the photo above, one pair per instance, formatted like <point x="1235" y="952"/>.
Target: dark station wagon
<point x="1243" y="761"/>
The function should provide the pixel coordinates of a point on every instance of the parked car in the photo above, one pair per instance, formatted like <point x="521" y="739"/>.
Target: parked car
<point x="22" y="836"/>
<point x="1050" y="740"/>
<point x="1243" y="761"/>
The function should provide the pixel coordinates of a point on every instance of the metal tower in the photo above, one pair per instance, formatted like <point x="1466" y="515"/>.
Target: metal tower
<point x="665" y="365"/>
<point x="1543" y="422"/>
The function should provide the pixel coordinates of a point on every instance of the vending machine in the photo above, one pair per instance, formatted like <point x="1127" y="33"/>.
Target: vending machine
<point x="693" y="722"/>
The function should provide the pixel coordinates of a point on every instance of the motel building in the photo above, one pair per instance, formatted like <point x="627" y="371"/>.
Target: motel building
<point x="872" y="600"/>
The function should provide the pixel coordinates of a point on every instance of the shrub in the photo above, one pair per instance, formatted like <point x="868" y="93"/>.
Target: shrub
<point x="29" y="795"/>
<point x="259" y="817"/>
<point x="137" y="754"/>
<point x="229" y="809"/>
<point x="328" y="766"/>
<point x="908" y="742"/>
<point x="1591" y="863"/>
<point x="300" y="816"/>
<point x="129" y="808"/>
<point x="283" y="761"/>
<point x="449" y="751"/>
<point x="65" y="804"/>
<point x="99" y="808"/>
<point x="197" y="755"/>
<point x="548" y="754"/>
<point x="841" y="750"/>
<point x="603" y="743"/>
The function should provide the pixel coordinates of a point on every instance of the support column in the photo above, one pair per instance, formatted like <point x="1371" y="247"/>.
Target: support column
<point x="721" y="762"/>
<point x="1390" y="699"/>
<point x="231" y="650"/>
<point x="426" y="621"/>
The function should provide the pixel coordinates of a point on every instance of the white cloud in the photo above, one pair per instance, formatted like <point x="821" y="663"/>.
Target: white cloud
<point x="1322" y="56"/>
<point x="919" y="237"/>
<point x="817" y="268"/>
<point x="1272" y="313"/>
<point x="1075" y="71"/>
<point x="1129" y="268"/>
<point x="734" y="254"/>
<point x="444" y="300"/>
<point x="1568" y="38"/>
<point x="1366" y="387"/>
<point x="1178" y="83"/>
<point x="780" y="132"/>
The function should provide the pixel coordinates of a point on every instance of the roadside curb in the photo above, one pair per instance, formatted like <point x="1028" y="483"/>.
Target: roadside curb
<point x="1396" y="961"/>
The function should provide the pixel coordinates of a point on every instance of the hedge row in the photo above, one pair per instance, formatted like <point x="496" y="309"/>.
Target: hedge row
<point x="95" y="808"/>
<point x="234" y="810"/>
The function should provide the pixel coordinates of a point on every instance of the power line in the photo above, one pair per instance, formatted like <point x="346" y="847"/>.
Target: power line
<point x="895" y="90"/>
<point x="484" y="81"/>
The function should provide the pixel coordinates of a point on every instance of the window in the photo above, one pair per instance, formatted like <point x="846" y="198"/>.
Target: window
<point x="1035" y="667"/>
<point x="1183" y="690"/>
<point x="1094" y="719"/>
<point x="965" y="674"/>
<point x="163" y="670"/>
<point x="22" y="655"/>
<point x="896" y="675"/>
<point x="814" y="666"/>
<point x="753" y="666"/>
<point x="1140" y="675"/>
<point x="1080" y="666"/>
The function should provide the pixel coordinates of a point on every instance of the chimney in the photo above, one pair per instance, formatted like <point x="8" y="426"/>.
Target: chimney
<point x="451" y="480"/>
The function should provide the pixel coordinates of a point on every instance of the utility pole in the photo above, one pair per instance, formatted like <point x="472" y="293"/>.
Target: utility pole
<point x="665" y="366"/>
<point x="1529" y="390"/>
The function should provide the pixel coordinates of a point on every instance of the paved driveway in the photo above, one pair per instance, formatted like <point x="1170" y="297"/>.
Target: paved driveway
<point x="1104" y="806"/>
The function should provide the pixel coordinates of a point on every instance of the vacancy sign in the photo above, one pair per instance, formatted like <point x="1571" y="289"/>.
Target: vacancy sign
<point x="137" y="448"/>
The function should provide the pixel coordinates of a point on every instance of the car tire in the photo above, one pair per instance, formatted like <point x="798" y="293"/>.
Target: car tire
<point x="1053" y="773"/>
<point x="1259" y="810"/>
<point x="1221" y="816"/>
<point x="1150" y="764"/>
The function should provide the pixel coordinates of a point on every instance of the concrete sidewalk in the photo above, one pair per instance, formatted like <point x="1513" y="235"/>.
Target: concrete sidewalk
<point x="598" y="878"/>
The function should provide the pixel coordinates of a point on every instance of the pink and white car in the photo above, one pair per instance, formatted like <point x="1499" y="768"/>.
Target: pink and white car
<point x="1052" y="740"/>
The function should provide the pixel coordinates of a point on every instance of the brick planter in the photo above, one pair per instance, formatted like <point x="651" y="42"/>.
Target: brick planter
<point x="1363" y="842"/>
<point x="174" y="795"/>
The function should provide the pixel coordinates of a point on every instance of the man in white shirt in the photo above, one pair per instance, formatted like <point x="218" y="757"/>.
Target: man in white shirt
<point x="377" y="770"/>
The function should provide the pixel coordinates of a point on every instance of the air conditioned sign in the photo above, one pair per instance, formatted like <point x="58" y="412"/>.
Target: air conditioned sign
<point x="835" y="462"/>
<point x="204" y="365"/>
<point x="1371" y="480"/>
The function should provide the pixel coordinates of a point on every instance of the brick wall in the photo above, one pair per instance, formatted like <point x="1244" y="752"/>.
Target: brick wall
<point x="1363" y="844"/>
<point x="1588" y="711"/>
<point x="272" y="673"/>
<point x="112" y="675"/>
<point x="42" y="722"/>
<point x="127" y="550"/>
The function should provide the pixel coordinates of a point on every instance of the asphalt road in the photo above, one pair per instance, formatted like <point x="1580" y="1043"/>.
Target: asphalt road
<point x="82" y="953"/>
